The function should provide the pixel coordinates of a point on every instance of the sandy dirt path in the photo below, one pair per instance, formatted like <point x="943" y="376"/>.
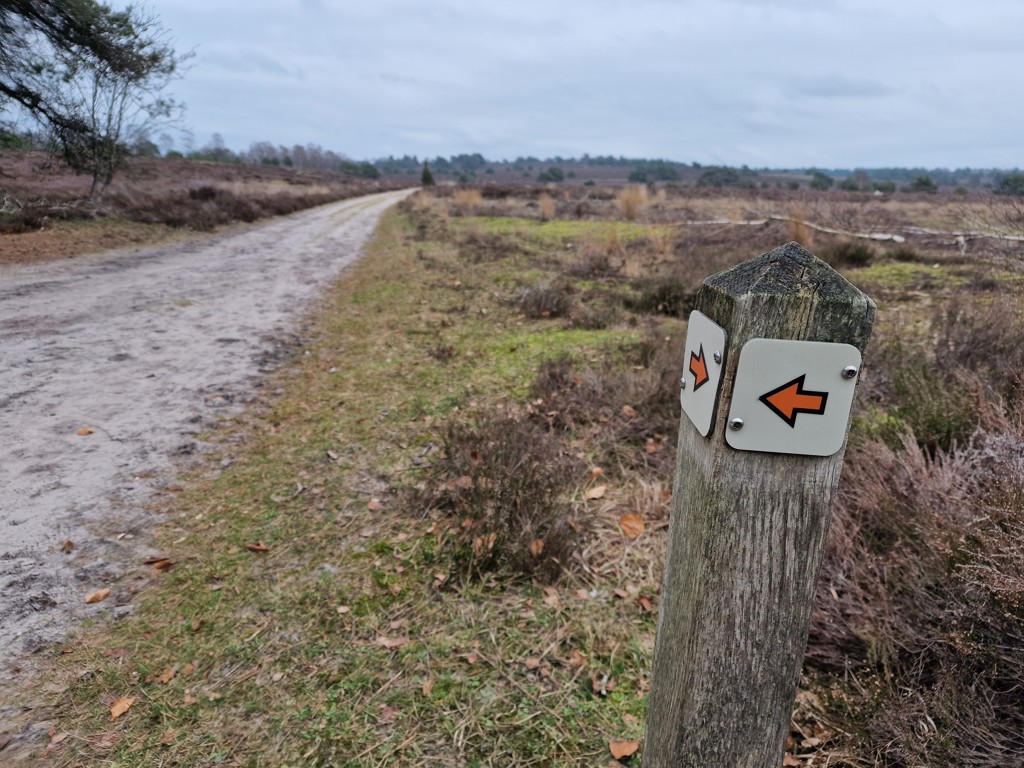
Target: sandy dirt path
<point x="142" y="350"/>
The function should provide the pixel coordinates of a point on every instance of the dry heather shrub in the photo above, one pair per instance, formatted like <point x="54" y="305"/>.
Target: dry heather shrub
<point x="478" y="246"/>
<point x="546" y="207"/>
<point x="548" y="300"/>
<point x="987" y="338"/>
<point x="919" y="615"/>
<point x="631" y="201"/>
<point x="631" y="410"/>
<point x="504" y="482"/>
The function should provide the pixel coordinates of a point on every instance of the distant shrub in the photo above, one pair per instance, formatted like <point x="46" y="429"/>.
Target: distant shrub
<point x="1010" y="184"/>
<point x="821" y="181"/>
<point x="719" y="177"/>
<point x="904" y="253"/>
<point x="426" y="177"/>
<point x="362" y="170"/>
<point x="848" y="255"/>
<point x="552" y="174"/>
<point x="884" y="186"/>
<point x="923" y="184"/>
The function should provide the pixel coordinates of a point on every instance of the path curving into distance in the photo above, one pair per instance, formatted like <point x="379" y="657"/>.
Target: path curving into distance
<point x="145" y="348"/>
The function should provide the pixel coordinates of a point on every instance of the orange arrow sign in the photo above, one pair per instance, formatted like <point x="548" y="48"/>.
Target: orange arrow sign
<point x="699" y="369"/>
<point x="791" y="399"/>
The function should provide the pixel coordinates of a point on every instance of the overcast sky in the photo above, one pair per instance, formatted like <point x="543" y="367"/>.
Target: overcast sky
<point x="777" y="83"/>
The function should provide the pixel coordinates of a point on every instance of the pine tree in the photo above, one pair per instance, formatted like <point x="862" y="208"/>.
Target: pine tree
<point x="427" y="178"/>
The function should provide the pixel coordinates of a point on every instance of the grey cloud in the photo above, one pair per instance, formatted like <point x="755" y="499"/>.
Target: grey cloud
<point x="839" y="87"/>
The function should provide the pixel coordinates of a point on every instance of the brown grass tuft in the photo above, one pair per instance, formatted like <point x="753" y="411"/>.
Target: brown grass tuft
<point x="631" y="201"/>
<point x="546" y="207"/>
<point x="799" y="231"/>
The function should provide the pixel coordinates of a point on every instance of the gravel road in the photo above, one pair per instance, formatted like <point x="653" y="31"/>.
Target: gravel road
<point x="109" y="367"/>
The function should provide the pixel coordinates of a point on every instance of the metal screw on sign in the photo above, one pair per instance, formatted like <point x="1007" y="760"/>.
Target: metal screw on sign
<point x="850" y="372"/>
<point x="736" y="424"/>
<point x="718" y="357"/>
<point x="682" y="382"/>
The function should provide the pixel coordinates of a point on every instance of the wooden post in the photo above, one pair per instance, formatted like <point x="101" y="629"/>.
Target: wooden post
<point x="746" y="536"/>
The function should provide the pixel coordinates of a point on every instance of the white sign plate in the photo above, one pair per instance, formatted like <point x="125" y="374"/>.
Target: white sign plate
<point x="702" y="370"/>
<point x="792" y="396"/>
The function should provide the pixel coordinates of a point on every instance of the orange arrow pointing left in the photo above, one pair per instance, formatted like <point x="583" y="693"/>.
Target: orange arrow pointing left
<point x="791" y="399"/>
<point x="699" y="369"/>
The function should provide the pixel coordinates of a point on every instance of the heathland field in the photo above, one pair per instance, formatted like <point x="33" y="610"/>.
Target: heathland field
<point x="441" y="543"/>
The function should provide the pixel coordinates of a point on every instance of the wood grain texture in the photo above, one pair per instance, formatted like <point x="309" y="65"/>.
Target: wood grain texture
<point x="746" y="537"/>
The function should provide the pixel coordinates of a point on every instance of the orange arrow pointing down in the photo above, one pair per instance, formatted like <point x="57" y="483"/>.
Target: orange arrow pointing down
<point x="699" y="369"/>
<point x="791" y="399"/>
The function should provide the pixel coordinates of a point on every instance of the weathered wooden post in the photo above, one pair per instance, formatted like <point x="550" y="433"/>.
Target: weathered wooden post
<point x="772" y="359"/>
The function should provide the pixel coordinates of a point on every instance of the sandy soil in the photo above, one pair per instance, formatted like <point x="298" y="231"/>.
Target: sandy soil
<point x="110" y="365"/>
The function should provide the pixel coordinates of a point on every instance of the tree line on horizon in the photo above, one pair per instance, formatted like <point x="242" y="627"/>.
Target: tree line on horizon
<point x="93" y="80"/>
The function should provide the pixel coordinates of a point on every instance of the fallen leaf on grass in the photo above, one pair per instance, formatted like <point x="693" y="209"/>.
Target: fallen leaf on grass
<point x="532" y="663"/>
<point x="392" y="642"/>
<point x="188" y="669"/>
<point x="121" y="706"/>
<point x="56" y="737"/>
<point x="596" y="492"/>
<point x="789" y="760"/>
<point x="98" y="596"/>
<point x="536" y="547"/>
<point x="85" y="431"/>
<point x="259" y="546"/>
<point x="67" y="546"/>
<point x="374" y="505"/>
<point x="621" y="749"/>
<point x="428" y="686"/>
<point x="577" y="659"/>
<point x="551" y="599"/>
<point x="645" y="603"/>
<point x="595" y="472"/>
<point x="168" y="674"/>
<point x="629" y="411"/>
<point x="632" y="525"/>
<point x="169" y="737"/>
<point x="343" y="609"/>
